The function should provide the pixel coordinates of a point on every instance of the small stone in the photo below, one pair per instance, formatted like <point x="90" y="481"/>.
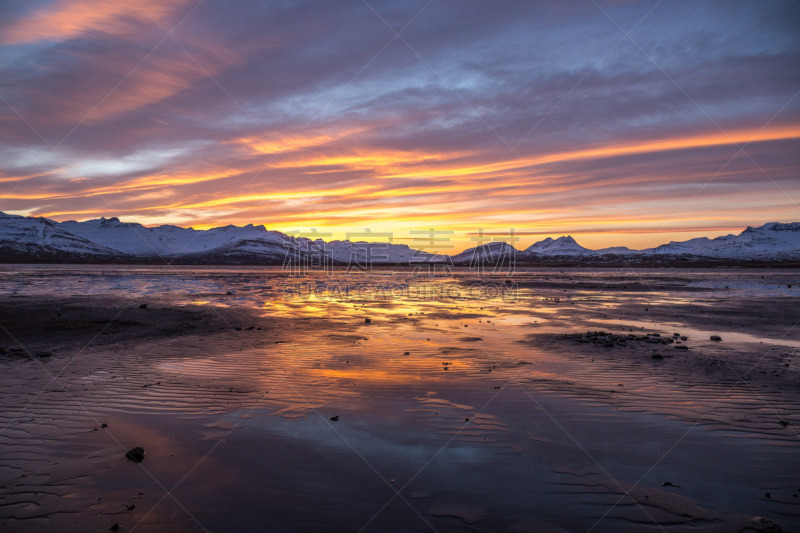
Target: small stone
<point x="681" y="347"/>
<point x="238" y="329"/>
<point x="114" y="527"/>
<point x="767" y="495"/>
<point x="367" y="321"/>
<point x="716" y="338"/>
<point x="135" y="454"/>
<point x="670" y="484"/>
<point x="143" y="306"/>
<point x="764" y="525"/>
<point x="131" y="507"/>
<point x="406" y="353"/>
<point x="658" y="356"/>
<point x="334" y="418"/>
<point x="103" y="426"/>
<point x="784" y="423"/>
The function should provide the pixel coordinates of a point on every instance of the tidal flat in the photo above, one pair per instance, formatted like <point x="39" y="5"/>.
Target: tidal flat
<point x="541" y="400"/>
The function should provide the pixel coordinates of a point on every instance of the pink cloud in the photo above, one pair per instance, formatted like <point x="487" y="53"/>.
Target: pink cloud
<point x="67" y="19"/>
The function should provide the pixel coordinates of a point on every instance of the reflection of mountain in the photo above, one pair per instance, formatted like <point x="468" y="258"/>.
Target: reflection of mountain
<point x="30" y="239"/>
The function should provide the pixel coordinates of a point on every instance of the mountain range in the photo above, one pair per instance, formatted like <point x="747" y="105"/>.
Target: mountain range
<point x="37" y="239"/>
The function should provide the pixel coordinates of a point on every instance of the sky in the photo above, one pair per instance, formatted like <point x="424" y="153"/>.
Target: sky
<point x="617" y="122"/>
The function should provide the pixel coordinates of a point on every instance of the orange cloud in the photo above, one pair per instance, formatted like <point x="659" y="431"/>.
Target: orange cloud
<point x="273" y="143"/>
<point x="661" y="145"/>
<point x="68" y="19"/>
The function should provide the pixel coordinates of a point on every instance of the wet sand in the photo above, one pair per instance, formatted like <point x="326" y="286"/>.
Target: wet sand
<point x="263" y="405"/>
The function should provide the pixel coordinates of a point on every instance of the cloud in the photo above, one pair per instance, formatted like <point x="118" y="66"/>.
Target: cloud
<point x="68" y="19"/>
<point x="302" y="113"/>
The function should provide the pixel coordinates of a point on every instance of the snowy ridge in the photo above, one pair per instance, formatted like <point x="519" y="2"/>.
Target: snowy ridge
<point x="103" y="239"/>
<point x="42" y="238"/>
<point x="561" y="246"/>
<point x="770" y="241"/>
<point x="492" y="253"/>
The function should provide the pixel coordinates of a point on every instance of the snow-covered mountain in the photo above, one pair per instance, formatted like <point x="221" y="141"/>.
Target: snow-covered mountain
<point x="167" y="241"/>
<point x="362" y="253"/>
<point x="770" y="241"/>
<point x="560" y="246"/>
<point x="616" y="250"/>
<point x="34" y="239"/>
<point x="490" y="253"/>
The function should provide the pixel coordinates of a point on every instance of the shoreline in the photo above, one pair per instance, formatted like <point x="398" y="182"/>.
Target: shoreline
<point x="496" y="390"/>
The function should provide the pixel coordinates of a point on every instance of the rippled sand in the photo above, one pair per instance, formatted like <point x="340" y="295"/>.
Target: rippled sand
<point x="268" y="402"/>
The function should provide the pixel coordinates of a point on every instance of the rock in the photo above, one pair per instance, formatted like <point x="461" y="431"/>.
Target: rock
<point x="670" y="484"/>
<point x="131" y="507"/>
<point x="784" y="423"/>
<point x="764" y="525"/>
<point x="135" y="454"/>
<point x="143" y="306"/>
<point x="367" y="321"/>
<point x="43" y="354"/>
<point x="658" y="356"/>
<point x="114" y="527"/>
<point x="716" y="338"/>
<point x="103" y="425"/>
<point x="681" y="347"/>
<point x="334" y="418"/>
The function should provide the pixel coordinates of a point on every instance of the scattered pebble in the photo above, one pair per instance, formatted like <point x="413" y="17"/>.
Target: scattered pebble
<point x="716" y="338"/>
<point x="334" y="418"/>
<point x="135" y="454"/>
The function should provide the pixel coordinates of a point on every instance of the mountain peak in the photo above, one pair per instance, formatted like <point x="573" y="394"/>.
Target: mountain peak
<point x="564" y="245"/>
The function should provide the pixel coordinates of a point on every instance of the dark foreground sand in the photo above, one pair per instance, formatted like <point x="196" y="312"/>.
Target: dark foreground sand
<point x="461" y="416"/>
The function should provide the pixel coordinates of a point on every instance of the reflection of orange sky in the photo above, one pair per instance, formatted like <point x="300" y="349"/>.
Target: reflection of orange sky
<point x="400" y="192"/>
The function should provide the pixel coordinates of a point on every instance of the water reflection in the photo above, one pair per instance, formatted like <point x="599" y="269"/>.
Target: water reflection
<point x="397" y="401"/>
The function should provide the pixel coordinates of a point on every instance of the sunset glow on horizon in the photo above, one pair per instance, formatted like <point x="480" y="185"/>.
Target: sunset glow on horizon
<point x="619" y="123"/>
